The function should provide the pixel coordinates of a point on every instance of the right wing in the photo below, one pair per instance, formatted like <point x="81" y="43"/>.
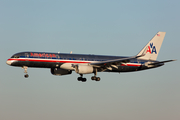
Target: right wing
<point x="108" y="63"/>
<point x="114" y="61"/>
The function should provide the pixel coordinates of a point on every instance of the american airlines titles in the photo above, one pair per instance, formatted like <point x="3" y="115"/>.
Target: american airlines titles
<point x="42" y="55"/>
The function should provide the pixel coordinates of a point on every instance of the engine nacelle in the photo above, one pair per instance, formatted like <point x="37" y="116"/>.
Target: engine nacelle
<point x="84" y="69"/>
<point x="59" y="71"/>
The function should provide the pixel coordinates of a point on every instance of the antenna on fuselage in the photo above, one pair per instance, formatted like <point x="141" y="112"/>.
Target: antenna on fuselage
<point x="58" y="52"/>
<point x="71" y="52"/>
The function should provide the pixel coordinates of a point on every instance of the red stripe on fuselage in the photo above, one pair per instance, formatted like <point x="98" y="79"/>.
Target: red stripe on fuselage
<point x="64" y="61"/>
<point x="46" y="60"/>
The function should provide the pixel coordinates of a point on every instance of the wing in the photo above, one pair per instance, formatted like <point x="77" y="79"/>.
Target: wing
<point x="108" y="63"/>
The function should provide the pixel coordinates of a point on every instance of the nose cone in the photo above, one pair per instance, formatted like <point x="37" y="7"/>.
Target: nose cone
<point x="8" y="62"/>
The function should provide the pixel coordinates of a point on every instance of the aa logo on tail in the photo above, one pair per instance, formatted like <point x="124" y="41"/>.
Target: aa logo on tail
<point x="151" y="49"/>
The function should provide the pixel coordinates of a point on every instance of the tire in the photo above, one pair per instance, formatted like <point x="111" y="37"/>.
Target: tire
<point x="98" y="79"/>
<point x="93" y="78"/>
<point x="84" y="80"/>
<point x="79" y="78"/>
<point x="26" y="75"/>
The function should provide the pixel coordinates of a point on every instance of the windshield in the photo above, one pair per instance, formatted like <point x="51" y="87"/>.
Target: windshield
<point x="15" y="56"/>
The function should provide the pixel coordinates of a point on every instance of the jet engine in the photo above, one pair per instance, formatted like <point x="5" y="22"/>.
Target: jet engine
<point x="84" y="69"/>
<point x="59" y="71"/>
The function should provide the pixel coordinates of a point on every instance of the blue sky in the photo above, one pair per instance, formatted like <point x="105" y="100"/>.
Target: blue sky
<point x="89" y="27"/>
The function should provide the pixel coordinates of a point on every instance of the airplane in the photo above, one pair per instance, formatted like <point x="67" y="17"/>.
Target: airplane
<point x="65" y="63"/>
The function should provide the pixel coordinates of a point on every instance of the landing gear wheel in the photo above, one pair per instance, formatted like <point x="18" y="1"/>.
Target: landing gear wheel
<point x="83" y="80"/>
<point x="79" y="78"/>
<point x="93" y="78"/>
<point x="98" y="78"/>
<point x="26" y="75"/>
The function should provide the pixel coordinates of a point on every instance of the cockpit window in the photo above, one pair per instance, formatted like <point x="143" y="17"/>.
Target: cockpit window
<point x="15" y="56"/>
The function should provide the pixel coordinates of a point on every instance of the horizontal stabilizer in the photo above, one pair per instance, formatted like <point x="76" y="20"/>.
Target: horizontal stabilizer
<point x="155" y="63"/>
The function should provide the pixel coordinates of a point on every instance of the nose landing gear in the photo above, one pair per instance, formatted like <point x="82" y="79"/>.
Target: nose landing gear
<point x="25" y="71"/>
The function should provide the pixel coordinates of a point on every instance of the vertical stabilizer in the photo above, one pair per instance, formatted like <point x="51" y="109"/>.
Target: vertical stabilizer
<point x="153" y="47"/>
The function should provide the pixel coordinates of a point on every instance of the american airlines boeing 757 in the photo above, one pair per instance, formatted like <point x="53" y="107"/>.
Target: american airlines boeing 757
<point x="64" y="64"/>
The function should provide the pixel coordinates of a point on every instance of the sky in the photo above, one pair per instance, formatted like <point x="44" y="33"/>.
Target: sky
<point x="102" y="27"/>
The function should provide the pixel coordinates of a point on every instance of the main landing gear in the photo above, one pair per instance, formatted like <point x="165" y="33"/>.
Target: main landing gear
<point x="92" y="78"/>
<point x="25" y="71"/>
<point x="95" y="78"/>
<point x="81" y="78"/>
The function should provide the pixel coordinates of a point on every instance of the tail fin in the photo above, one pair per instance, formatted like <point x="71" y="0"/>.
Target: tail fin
<point x="153" y="47"/>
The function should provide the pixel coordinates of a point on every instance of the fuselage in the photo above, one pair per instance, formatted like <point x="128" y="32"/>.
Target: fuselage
<point x="66" y="61"/>
<point x="64" y="64"/>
